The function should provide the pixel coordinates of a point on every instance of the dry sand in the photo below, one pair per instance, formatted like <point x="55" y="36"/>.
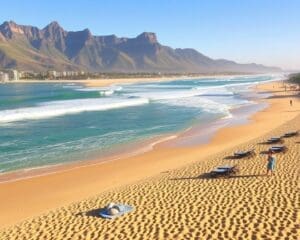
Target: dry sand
<point x="178" y="201"/>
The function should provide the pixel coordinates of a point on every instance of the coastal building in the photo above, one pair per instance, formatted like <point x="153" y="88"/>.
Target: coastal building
<point x="72" y="73"/>
<point x="44" y="74"/>
<point x="52" y="74"/>
<point x="28" y="75"/>
<point x="4" y="77"/>
<point x="13" y="75"/>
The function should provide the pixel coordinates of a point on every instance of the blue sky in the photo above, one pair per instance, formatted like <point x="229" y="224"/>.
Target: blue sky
<point x="261" y="31"/>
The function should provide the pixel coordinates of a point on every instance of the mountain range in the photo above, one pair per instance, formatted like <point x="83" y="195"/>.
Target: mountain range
<point x="30" y="48"/>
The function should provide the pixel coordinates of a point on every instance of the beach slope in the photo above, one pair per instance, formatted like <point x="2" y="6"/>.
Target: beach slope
<point x="170" y="190"/>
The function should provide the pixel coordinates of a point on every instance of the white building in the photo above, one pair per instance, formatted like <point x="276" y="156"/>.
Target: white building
<point x="13" y="75"/>
<point x="52" y="74"/>
<point x="4" y="77"/>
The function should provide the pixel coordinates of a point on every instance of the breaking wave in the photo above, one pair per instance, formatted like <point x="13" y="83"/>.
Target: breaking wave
<point x="58" y="108"/>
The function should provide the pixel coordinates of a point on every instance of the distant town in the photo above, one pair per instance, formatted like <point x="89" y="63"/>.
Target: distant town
<point x="12" y="75"/>
<point x="15" y="75"/>
<point x="9" y="75"/>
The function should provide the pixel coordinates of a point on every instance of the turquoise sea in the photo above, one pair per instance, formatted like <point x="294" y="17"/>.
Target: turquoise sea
<point x="44" y="124"/>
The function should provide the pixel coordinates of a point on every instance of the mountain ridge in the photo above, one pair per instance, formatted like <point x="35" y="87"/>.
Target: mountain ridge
<point x="29" y="48"/>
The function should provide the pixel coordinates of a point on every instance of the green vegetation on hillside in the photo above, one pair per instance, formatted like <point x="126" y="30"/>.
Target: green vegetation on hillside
<point x="295" y="78"/>
<point x="28" y="48"/>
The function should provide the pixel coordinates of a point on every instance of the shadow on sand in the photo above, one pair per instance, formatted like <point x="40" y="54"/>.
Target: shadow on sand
<point x="91" y="213"/>
<point x="231" y="157"/>
<point x="264" y="152"/>
<point x="237" y="157"/>
<point x="283" y="96"/>
<point x="207" y="176"/>
<point x="264" y="143"/>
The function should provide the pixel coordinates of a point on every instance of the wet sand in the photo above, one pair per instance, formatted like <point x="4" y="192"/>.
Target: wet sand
<point x="170" y="191"/>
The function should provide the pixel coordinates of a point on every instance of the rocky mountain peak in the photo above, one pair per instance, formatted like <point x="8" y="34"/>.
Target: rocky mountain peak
<point x="53" y="25"/>
<point x="60" y="49"/>
<point x="9" y="28"/>
<point x="147" y="36"/>
<point x="54" y="31"/>
<point x="87" y="33"/>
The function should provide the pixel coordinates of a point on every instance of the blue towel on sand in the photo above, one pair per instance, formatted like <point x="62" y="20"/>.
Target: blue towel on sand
<point x="122" y="207"/>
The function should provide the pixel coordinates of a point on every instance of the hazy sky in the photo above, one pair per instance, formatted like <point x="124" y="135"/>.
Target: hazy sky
<point x="261" y="31"/>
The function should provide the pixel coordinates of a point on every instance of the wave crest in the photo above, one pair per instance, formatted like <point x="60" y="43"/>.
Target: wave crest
<point x="58" y="108"/>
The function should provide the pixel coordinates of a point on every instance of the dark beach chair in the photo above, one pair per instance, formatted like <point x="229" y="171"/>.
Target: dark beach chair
<point x="278" y="149"/>
<point x="224" y="171"/>
<point x="291" y="134"/>
<point x="275" y="140"/>
<point x="242" y="154"/>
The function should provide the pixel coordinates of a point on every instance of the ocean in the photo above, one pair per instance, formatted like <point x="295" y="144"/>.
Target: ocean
<point x="44" y="124"/>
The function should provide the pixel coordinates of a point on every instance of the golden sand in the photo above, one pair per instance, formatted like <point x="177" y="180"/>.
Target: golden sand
<point x="178" y="201"/>
<point x="104" y="82"/>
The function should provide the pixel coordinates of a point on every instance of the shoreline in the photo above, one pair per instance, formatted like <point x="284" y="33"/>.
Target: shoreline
<point x="67" y="193"/>
<point x="133" y="149"/>
<point x="104" y="82"/>
<point x="137" y="147"/>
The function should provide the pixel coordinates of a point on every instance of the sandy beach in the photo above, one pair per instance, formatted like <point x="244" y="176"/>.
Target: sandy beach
<point x="168" y="187"/>
<point x="105" y="82"/>
<point x="108" y="82"/>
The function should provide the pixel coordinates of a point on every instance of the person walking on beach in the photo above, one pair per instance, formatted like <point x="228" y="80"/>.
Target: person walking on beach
<point x="271" y="163"/>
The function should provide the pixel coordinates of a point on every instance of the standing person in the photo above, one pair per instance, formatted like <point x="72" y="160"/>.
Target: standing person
<point x="291" y="102"/>
<point x="271" y="163"/>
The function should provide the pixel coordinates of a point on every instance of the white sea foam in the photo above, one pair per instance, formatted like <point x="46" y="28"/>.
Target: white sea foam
<point x="214" y="91"/>
<point x="137" y="94"/>
<point x="212" y="99"/>
<point x="106" y="92"/>
<point x="98" y="89"/>
<point x="163" y="94"/>
<point x="156" y="86"/>
<point x="205" y="104"/>
<point x="103" y="91"/>
<point x="58" y="108"/>
<point x="177" y="94"/>
<point x="71" y="86"/>
<point x="117" y="88"/>
<point x="92" y="89"/>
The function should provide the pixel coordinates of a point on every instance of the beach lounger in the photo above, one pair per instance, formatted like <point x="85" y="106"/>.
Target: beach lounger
<point x="275" y="140"/>
<point x="224" y="171"/>
<point x="226" y="167"/>
<point x="291" y="134"/>
<point x="114" y="210"/>
<point x="278" y="149"/>
<point x="242" y="154"/>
